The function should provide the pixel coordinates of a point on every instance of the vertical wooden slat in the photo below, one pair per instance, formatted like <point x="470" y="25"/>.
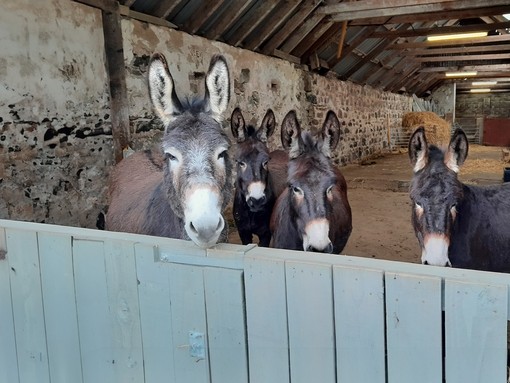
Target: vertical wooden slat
<point x="413" y="320"/>
<point x="94" y="323"/>
<point x="188" y="315"/>
<point x="311" y="322"/>
<point x="124" y="311"/>
<point x="226" y="325"/>
<point x="57" y="279"/>
<point x="8" y="360"/>
<point x="27" y="306"/>
<point x="475" y="324"/>
<point x="266" y="318"/>
<point x="359" y="325"/>
<point x="155" y="316"/>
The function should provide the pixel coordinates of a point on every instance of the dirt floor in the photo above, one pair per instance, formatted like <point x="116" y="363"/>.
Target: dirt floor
<point x="381" y="208"/>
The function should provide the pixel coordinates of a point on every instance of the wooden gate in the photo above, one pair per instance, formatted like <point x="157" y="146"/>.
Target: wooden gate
<point x="81" y="305"/>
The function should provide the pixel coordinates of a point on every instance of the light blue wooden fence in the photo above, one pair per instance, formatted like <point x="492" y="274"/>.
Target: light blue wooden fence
<point x="87" y="306"/>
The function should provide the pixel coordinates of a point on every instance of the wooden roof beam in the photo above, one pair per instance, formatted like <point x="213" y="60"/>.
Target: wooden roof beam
<point x="443" y="30"/>
<point x="250" y="23"/>
<point x="235" y="10"/>
<point x="271" y="24"/>
<point x="301" y="32"/>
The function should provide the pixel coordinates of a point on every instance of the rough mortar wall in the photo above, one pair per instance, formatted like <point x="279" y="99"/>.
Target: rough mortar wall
<point x="365" y="115"/>
<point x="483" y="105"/>
<point x="55" y="139"/>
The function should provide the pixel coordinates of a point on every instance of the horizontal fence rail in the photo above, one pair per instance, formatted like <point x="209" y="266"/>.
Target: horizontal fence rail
<point x="81" y="305"/>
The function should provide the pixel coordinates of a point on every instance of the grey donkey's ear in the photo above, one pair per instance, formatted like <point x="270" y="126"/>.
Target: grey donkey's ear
<point x="418" y="149"/>
<point x="291" y="135"/>
<point x="330" y="133"/>
<point x="266" y="129"/>
<point x="162" y="90"/>
<point x="217" y="86"/>
<point x="237" y="125"/>
<point x="457" y="151"/>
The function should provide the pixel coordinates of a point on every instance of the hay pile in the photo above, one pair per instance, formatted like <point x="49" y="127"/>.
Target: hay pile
<point x="437" y="130"/>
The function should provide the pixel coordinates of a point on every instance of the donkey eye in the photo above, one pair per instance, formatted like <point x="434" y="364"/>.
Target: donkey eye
<point x="242" y="164"/>
<point x="170" y="157"/>
<point x="418" y="205"/>
<point x="264" y="164"/>
<point x="297" y="190"/>
<point x="330" y="189"/>
<point x="223" y="155"/>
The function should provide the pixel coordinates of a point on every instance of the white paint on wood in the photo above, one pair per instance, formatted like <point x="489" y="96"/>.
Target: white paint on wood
<point x="413" y="320"/>
<point x="8" y="359"/>
<point x="94" y="324"/>
<point x="311" y="327"/>
<point x="57" y="278"/>
<point x="226" y="329"/>
<point x="124" y="311"/>
<point x="359" y="325"/>
<point x="188" y="314"/>
<point x="266" y="320"/>
<point x="27" y="306"/>
<point x="155" y="316"/>
<point x="475" y="324"/>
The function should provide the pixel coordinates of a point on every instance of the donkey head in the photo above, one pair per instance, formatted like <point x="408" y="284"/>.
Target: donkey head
<point x="435" y="192"/>
<point x="252" y="158"/>
<point x="197" y="166"/>
<point x="312" y="180"/>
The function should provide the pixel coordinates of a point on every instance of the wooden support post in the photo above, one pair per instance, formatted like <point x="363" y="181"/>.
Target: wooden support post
<point x="117" y="76"/>
<point x="114" y="51"/>
<point x="342" y="39"/>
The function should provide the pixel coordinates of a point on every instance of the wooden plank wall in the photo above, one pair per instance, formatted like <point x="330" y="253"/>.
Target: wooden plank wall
<point x="80" y="305"/>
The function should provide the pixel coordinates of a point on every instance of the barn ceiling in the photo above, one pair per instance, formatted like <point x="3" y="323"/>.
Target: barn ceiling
<point x="382" y="43"/>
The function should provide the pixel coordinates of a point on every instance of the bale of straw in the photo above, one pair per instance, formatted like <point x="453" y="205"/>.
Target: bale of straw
<point x="437" y="130"/>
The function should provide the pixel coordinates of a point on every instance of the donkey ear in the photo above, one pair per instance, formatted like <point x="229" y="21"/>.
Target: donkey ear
<point x="217" y="86"/>
<point x="162" y="90"/>
<point x="330" y="133"/>
<point x="237" y="125"/>
<point x="291" y="135"/>
<point x="266" y="129"/>
<point x="457" y="151"/>
<point x="418" y="149"/>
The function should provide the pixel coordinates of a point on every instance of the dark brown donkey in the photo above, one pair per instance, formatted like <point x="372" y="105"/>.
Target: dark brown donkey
<point x="313" y="213"/>
<point x="456" y="224"/>
<point x="255" y="193"/>
<point x="184" y="196"/>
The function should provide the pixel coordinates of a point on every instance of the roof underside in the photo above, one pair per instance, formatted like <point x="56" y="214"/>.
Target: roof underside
<point x="381" y="43"/>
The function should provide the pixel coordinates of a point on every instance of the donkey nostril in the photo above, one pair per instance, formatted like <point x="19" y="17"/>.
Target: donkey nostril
<point x="192" y="227"/>
<point x="329" y="248"/>
<point x="220" y="224"/>
<point x="425" y="263"/>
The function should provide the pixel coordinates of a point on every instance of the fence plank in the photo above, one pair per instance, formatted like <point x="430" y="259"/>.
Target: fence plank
<point x="266" y="317"/>
<point x="155" y="316"/>
<point x="124" y="311"/>
<point x="8" y="360"/>
<point x="188" y="315"/>
<point x="94" y="323"/>
<point x="27" y="306"/>
<point x="475" y="319"/>
<point x="226" y="325"/>
<point x="57" y="278"/>
<point x="359" y="325"/>
<point x="413" y="319"/>
<point x="311" y="328"/>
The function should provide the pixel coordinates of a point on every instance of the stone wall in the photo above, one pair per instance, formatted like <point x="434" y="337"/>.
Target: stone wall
<point x="55" y="140"/>
<point x="483" y="105"/>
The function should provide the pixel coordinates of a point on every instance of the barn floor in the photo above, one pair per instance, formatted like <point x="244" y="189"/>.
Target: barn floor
<point x="381" y="208"/>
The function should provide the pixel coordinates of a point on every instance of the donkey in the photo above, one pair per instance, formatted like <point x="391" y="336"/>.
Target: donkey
<point x="312" y="213"/>
<point x="457" y="225"/>
<point x="255" y="193"/>
<point x="184" y="195"/>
